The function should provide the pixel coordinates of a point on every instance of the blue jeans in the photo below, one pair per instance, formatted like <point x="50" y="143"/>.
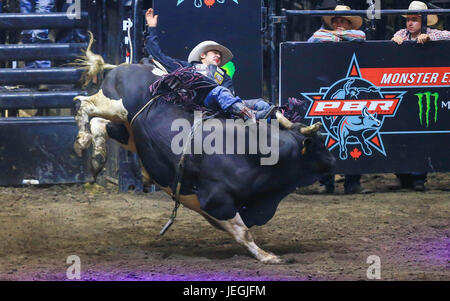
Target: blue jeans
<point x="221" y="98"/>
<point x="31" y="36"/>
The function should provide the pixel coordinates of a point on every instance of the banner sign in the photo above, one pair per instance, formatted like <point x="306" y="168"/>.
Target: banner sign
<point x="182" y="24"/>
<point x="384" y="107"/>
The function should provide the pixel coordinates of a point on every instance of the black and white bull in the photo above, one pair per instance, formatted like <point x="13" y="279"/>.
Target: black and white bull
<point x="232" y="191"/>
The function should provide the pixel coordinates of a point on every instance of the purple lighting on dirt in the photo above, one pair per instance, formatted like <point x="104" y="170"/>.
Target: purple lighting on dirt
<point x="146" y="276"/>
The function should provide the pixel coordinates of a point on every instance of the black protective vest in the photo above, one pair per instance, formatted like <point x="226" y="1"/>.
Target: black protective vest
<point x="212" y="72"/>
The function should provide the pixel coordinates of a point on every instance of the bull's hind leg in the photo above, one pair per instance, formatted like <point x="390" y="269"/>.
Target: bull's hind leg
<point x="99" y="137"/>
<point x="84" y="137"/>
<point x="242" y="235"/>
<point x="95" y="105"/>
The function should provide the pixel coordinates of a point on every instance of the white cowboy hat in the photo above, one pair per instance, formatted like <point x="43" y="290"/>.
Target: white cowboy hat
<point x="356" y="21"/>
<point x="206" y="46"/>
<point x="418" y="5"/>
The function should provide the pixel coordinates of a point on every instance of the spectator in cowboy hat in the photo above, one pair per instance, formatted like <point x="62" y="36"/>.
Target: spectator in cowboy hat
<point x="413" y="30"/>
<point x="207" y="58"/>
<point x="344" y="28"/>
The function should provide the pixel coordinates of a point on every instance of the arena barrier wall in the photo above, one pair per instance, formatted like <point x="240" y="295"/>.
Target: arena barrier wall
<point x="406" y="90"/>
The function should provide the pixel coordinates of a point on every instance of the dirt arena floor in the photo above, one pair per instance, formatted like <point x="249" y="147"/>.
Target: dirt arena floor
<point x="320" y="237"/>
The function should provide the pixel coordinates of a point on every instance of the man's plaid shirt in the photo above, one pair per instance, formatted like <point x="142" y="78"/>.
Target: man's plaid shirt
<point x="434" y="34"/>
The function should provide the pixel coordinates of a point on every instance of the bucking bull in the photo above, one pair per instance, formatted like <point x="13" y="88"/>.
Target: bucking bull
<point x="231" y="191"/>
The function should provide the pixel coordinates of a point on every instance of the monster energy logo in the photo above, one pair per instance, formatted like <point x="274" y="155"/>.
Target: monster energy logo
<point x="428" y="106"/>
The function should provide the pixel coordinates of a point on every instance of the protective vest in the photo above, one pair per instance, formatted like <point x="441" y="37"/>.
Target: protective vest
<point x="212" y="72"/>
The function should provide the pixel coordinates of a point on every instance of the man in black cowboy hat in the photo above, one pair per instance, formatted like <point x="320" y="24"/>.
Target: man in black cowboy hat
<point x="207" y="58"/>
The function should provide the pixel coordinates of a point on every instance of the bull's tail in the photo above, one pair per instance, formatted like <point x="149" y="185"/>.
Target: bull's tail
<point x="92" y="63"/>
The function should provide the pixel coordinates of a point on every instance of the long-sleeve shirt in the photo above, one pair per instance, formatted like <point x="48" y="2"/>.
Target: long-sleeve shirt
<point x="171" y="64"/>
<point x="434" y="34"/>
<point x="325" y="35"/>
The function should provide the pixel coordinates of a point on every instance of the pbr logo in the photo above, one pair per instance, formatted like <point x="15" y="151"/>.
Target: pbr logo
<point x="209" y="3"/>
<point x="352" y="112"/>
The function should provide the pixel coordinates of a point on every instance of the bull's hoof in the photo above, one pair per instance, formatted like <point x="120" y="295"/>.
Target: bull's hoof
<point x="97" y="163"/>
<point x="81" y="143"/>
<point x="272" y="259"/>
<point x="78" y="149"/>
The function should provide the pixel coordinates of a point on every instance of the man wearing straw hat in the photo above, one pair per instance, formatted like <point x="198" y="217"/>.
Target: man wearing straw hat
<point x="207" y="58"/>
<point x="413" y="30"/>
<point x="345" y="28"/>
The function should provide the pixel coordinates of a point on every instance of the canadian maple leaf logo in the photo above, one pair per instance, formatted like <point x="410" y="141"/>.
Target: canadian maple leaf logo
<point x="210" y="3"/>
<point x="356" y="153"/>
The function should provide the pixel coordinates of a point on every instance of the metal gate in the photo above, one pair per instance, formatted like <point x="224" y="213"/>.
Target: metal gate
<point x="39" y="149"/>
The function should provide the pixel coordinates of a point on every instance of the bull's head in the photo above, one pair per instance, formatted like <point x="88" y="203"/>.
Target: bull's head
<point x="317" y="157"/>
<point x="370" y="119"/>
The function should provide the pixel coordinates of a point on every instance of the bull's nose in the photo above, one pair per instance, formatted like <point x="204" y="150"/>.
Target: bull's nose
<point x="328" y="166"/>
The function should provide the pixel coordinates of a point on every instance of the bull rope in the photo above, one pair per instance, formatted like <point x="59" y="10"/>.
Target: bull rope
<point x="180" y="167"/>
<point x="179" y="175"/>
<point x="142" y="109"/>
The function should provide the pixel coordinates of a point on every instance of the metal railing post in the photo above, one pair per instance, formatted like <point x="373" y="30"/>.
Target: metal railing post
<point x="273" y="58"/>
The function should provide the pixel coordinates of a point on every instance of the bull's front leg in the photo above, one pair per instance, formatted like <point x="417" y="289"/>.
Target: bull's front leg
<point x="242" y="235"/>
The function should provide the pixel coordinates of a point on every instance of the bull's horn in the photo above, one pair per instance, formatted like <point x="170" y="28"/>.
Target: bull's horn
<point x="310" y="130"/>
<point x="283" y="120"/>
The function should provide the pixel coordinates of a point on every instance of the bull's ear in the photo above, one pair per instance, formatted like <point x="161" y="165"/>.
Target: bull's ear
<point x="306" y="145"/>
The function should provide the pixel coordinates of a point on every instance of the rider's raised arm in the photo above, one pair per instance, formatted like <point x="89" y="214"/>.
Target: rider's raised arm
<point x="152" y="47"/>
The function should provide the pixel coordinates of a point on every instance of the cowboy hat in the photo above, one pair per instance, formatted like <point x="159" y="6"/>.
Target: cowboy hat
<point x="356" y="21"/>
<point x="206" y="46"/>
<point x="418" y="5"/>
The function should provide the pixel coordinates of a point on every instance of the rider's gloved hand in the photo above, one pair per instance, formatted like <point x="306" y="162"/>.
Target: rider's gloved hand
<point x="238" y="108"/>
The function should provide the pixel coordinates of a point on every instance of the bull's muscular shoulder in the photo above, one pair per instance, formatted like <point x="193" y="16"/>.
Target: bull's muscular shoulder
<point x="290" y="143"/>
